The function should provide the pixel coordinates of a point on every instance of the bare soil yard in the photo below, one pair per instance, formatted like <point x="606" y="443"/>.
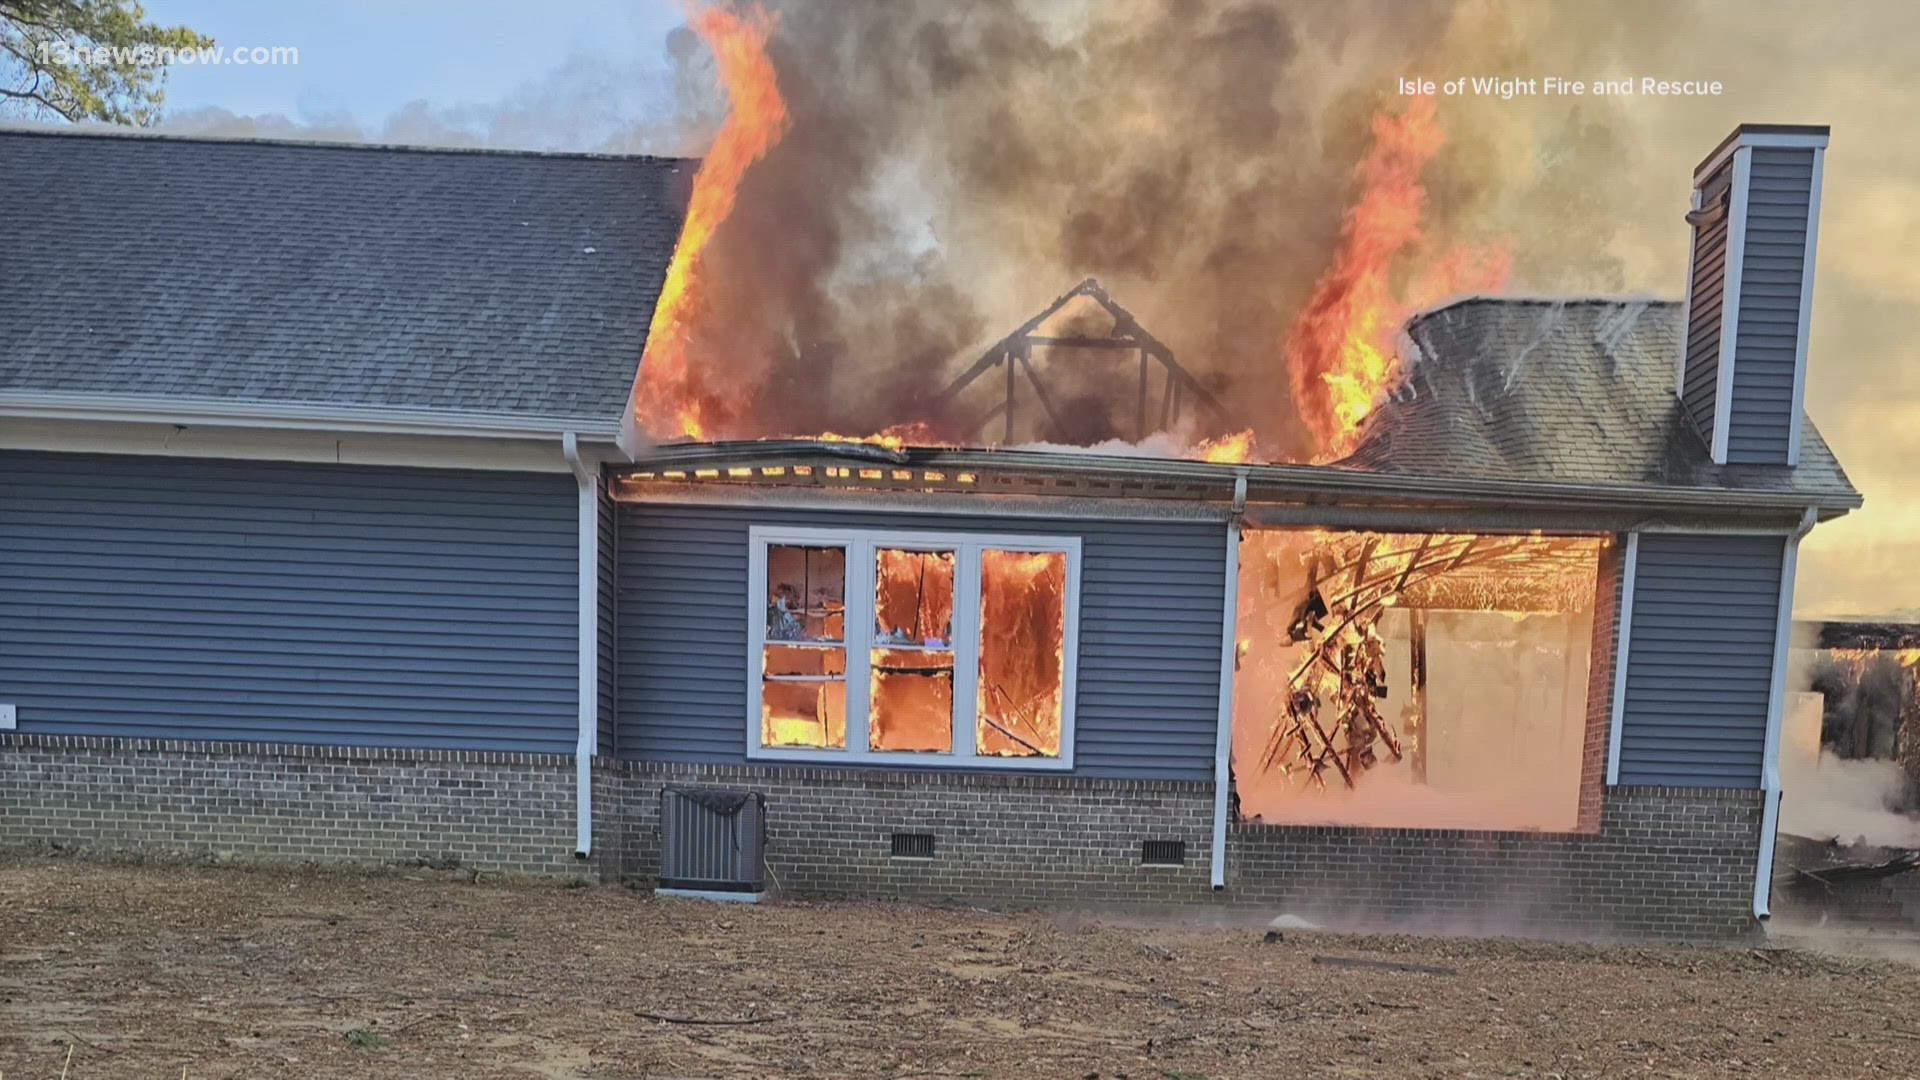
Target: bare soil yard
<point x="164" y="971"/>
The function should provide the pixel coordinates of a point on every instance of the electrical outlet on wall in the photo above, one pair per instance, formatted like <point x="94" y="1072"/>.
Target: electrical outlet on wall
<point x="6" y="718"/>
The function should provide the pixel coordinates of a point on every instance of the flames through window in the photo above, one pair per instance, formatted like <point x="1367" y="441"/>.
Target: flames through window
<point x="956" y="647"/>
<point x="1416" y="680"/>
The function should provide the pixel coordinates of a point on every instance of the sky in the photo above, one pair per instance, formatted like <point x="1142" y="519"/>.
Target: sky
<point x="571" y="74"/>
<point x="368" y="58"/>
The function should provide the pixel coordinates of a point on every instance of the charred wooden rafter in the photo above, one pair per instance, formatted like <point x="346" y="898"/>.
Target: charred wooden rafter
<point x="1014" y="355"/>
<point x="1335" y="690"/>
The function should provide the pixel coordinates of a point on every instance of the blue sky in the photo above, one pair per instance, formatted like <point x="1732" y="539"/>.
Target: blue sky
<point x="368" y="58"/>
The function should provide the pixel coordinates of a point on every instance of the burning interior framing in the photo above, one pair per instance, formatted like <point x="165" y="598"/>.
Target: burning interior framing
<point x="1435" y="679"/>
<point x="1507" y="638"/>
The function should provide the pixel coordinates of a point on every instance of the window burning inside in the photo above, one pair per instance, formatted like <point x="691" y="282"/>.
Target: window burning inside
<point x="803" y="694"/>
<point x="1413" y="680"/>
<point x="959" y="649"/>
<point x="1023" y="620"/>
<point x="912" y="658"/>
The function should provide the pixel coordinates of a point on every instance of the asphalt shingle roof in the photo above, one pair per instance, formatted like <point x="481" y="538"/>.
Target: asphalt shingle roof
<point x="468" y="281"/>
<point x="1571" y="391"/>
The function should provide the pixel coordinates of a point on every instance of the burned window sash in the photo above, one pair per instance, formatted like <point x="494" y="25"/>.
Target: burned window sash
<point x="923" y="648"/>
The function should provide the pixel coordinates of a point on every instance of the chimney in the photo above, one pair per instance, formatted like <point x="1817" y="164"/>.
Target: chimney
<point x="1755" y="218"/>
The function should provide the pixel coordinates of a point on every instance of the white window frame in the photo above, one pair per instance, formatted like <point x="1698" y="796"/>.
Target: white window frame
<point x="860" y="545"/>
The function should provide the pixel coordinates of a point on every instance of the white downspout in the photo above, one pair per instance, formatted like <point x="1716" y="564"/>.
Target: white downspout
<point x="587" y="478"/>
<point x="1776" y="707"/>
<point x="1223" y="726"/>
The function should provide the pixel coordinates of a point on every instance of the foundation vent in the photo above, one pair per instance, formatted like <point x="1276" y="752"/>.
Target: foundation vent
<point x="712" y="840"/>
<point x="1163" y="853"/>
<point x="913" y="845"/>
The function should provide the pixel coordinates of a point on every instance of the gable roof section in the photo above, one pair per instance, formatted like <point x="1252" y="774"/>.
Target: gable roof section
<point x="288" y="275"/>
<point x="1564" y="391"/>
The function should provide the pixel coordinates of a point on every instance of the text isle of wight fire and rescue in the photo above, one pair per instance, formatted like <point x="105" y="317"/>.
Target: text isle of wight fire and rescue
<point x="1554" y="86"/>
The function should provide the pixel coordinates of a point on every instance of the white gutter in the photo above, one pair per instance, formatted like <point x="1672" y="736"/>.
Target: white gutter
<point x="218" y="412"/>
<point x="1229" y="646"/>
<point x="1776" y="707"/>
<point x="587" y="477"/>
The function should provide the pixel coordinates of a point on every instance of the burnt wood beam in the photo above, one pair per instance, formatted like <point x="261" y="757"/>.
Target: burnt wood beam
<point x="1054" y="430"/>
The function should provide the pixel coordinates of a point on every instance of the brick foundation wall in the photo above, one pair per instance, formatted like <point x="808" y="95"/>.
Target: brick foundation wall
<point x="1667" y="863"/>
<point x="1016" y="839"/>
<point x="487" y="811"/>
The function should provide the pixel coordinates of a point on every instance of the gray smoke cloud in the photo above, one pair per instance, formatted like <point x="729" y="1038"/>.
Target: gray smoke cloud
<point x="952" y="168"/>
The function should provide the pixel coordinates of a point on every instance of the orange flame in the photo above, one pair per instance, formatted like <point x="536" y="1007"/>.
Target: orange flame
<point x="1227" y="449"/>
<point x="1339" y="354"/>
<point x="675" y="398"/>
<point x="896" y="437"/>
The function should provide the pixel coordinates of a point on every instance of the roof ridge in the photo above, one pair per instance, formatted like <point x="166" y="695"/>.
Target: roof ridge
<point x="136" y="134"/>
<point x="1541" y="300"/>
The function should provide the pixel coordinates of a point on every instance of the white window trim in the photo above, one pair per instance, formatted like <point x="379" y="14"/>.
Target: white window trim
<point x="860" y="545"/>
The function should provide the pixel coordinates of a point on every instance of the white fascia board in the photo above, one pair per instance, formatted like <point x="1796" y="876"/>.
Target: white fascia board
<point x="1730" y="301"/>
<point x="1800" y="140"/>
<point x="213" y="412"/>
<point x="1797" y="421"/>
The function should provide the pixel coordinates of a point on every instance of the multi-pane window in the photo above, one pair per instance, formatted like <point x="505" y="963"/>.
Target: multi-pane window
<point x="914" y="648"/>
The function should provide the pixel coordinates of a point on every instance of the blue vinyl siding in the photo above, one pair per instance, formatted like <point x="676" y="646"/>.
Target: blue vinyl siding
<point x="1779" y="196"/>
<point x="1700" y="660"/>
<point x="264" y="602"/>
<point x="1706" y="291"/>
<point x="1149" y="663"/>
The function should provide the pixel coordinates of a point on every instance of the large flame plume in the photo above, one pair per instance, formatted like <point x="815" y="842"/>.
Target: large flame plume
<point x="893" y="188"/>
<point x="1340" y="355"/>
<point x="679" y="395"/>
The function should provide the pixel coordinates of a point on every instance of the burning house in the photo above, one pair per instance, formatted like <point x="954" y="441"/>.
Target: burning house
<point x="359" y="536"/>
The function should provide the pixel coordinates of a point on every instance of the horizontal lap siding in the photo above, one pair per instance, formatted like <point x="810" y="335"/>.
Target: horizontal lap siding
<point x="1779" y="195"/>
<point x="1151" y="597"/>
<point x="263" y="602"/>
<point x="1705" y="298"/>
<point x="1700" y="663"/>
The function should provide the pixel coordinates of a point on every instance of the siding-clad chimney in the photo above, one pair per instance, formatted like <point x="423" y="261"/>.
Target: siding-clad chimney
<point x="1755" y="218"/>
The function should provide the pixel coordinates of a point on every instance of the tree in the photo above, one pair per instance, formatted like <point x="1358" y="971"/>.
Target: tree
<point x="87" y="59"/>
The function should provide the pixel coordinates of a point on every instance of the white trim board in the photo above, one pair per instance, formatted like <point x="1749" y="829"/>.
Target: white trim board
<point x="282" y="444"/>
<point x="1776" y="708"/>
<point x="1622" y="645"/>
<point x="1223" y="724"/>
<point x="1736" y="254"/>
<point x="218" y="412"/>
<point x="858" y="585"/>
<point x="1790" y="140"/>
<point x="1795" y="422"/>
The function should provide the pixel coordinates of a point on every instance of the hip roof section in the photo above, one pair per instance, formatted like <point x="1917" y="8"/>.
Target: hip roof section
<point x="475" y="282"/>
<point x="1565" y="392"/>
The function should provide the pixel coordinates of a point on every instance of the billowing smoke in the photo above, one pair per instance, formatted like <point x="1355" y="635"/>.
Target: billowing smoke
<point x="1197" y="157"/>
<point x="950" y="169"/>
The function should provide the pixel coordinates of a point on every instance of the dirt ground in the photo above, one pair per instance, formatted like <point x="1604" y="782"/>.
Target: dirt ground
<point x="170" y="971"/>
